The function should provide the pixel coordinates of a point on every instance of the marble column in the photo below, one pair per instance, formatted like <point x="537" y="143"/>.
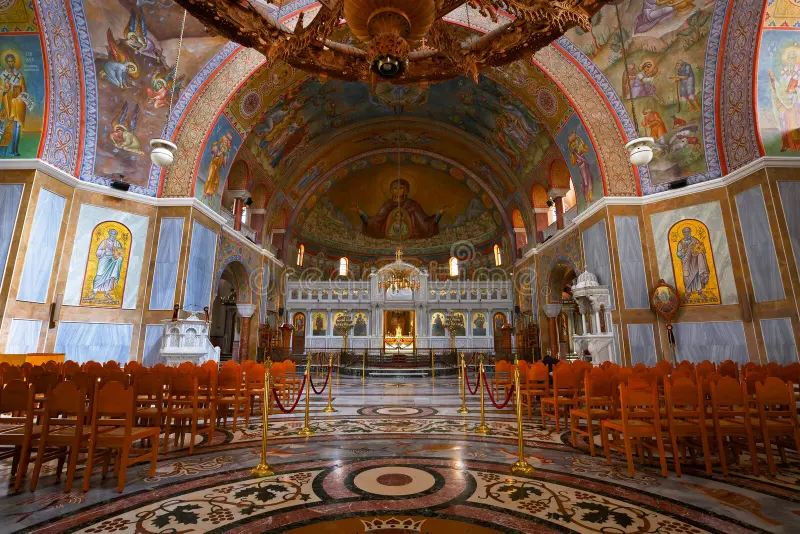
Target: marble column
<point x="238" y="205"/>
<point x="245" y="312"/>
<point x="552" y="311"/>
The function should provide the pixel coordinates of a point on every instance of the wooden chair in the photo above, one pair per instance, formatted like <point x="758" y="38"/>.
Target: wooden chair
<point x="729" y="368"/>
<point x="70" y="368"/>
<point x="254" y="384"/>
<point x="503" y="377"/>
<point x="112" y="429"/>
<point x="777" y="418"/>
<point x="115" y="376"/>
<point x="62" y="427"/>
<point x="686" y="421"/>
<point x="537" y="384"/>
<point x="16" y="428"/>
<point x="13" y="373"/>
<point x="231" y="396"/>
<point x="149" y="399"/>
<point x="186" y="407"/>
<point x="598" y="404"/>
<point x="732" y="419"/>
<point x="704" y="368"/>
<point x="639" y="426"/>
<point x="563" y="394"/>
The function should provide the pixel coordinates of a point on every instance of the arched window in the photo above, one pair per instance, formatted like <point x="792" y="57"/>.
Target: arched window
<point x="301" y="252"/>
<point x="453" y="266"/>
<point x="498" y="260"/>
<point x="343" y="262"/>
<point x="244" y="214"/>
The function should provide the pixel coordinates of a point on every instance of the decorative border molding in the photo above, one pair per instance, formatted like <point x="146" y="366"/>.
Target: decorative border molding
<point x="82" y="185"/>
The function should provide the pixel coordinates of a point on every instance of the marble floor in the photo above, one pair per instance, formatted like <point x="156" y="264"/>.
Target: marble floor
<point x="397" y="457"/>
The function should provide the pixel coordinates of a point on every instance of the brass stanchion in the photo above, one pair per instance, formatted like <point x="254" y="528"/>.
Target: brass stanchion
<point x="433" y="367"/>
<point x="329" y="408"/>
<point x="306" y="430"/>
<point x="483" y="427"/>
<point x="263" y="469"/>
<point x="462" y="372"/>
<point x="520" y="467"/>
<point x="364" y="366"/>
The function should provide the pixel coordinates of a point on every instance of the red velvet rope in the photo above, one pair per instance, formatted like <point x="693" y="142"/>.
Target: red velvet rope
<point x="466" y="379"/>
<point x="509" y="394"/>
<point x="323" y="385"/>
<point x="278" y="399"/>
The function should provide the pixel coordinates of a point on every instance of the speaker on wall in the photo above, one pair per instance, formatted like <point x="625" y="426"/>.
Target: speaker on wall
<point x="516" y="309"/>
<point x="280" y="312"/>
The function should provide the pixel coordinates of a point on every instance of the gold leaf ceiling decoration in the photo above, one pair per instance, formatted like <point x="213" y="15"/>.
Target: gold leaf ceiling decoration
<point x="402" y="41"/>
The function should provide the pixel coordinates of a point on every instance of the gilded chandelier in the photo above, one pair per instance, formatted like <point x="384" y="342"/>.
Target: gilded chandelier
<point x="403" y="41"/>
<point x="398" y="275"/>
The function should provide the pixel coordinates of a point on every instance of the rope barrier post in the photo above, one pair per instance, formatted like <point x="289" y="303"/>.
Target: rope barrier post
<point x="306" y="430"/>
<point x="463" y="409"/>
<point x="263" y="469"/>
<point x="460" y="368"/>
<point x="433" y="368"/>
<point x="482" y="428"/>
<point x="364" y="366"/>
<point x="329" y="408"/>
<point x="520" y="467"/>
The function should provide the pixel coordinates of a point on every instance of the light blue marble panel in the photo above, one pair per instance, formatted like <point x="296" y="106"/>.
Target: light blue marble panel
<point x="165" y="275"/>
<point x="100" y="342"/>
<point x="89" y="217"/>
<point x="779" y="340"/>
<point x="715" y="341"/>
<point x="200" y="274"/>
<point x="42" y="245"/>
<point x="266" y="273"/>
<point x="23" y="337"/>
<point x="709" y="214"/>
<point x="152" y="344"/>
<point x="642" y="341"/>
<point x="759" y="246"/>
<point x="790" y="198"/>
<point x="595" y="254"/>
<point x="631" y="262"/>
<point x="10" y="194"/>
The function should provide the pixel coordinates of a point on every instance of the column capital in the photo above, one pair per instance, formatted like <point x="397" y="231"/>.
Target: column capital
<point x="246" y="310"/>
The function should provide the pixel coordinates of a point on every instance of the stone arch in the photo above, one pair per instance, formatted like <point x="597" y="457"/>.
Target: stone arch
<point x="239" y="176"/>
<point x="559" y="175"/>
<point x="259" y="196"/>
<point x="562" y="269"/>
<point x="234" y="268"/>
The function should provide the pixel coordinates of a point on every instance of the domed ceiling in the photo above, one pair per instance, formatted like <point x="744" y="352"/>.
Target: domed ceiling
<point x="98" y="93"/>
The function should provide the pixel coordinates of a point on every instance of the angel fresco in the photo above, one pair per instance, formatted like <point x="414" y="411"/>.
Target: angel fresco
<point x="163" y="86"/>
<point x="119" y="66"/>
<point x="123" y="133"/>
<point x="137" y="37"/>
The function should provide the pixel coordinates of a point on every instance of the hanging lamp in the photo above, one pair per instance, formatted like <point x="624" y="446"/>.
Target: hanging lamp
<point x="640" y="150"/>
<point x="163" y="150"/>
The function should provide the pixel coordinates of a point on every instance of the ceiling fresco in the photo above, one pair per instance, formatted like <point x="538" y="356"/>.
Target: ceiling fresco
<point x="374" y="203"/>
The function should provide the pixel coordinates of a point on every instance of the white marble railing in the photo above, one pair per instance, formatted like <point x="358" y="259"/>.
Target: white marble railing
<point x="548" y="232"/>
<point x="248" y="232"/>
<point x="570" y="215"/>
<point x="227" y="215"/>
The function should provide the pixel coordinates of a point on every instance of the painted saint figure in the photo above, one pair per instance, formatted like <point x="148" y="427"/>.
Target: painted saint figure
<point x="437" y="328"/>
<point x="219" y="158"/>
<point x="15" y="102"/>
<point x="786" y="101"/>
<point x="694" y="264"/>
<point x="639" y="82"/>
<point x="654" y="122"/>
<point x="400" y="217"/>
<point x="684" y="82"/>
<point x="109" y="266"/>
<point x="360" y="327"/>
<point x="577" y="149"/>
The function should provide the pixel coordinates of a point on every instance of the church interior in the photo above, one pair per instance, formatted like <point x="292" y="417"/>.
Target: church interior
<point x="429" y="266"/>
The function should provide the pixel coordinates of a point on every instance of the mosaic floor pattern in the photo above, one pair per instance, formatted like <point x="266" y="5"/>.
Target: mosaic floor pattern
<point x="402" y="460"/>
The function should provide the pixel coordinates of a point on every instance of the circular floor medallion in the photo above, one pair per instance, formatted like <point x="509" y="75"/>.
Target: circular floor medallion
<point x="398" y="411"/>
<point x="394" y="481"/>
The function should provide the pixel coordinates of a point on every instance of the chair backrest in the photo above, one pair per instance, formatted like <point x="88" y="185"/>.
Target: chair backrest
<point x="150" y="385"/>
<point x="184" y="385"/>
<point x="563" y="381"/>
<point x="230" y="364"/>
<point x="254" y="375"/>
<point x="538" y="373"/>
<point x="277" y="370"/>
<point x="728" y="399"/>
<point x="639" y="368"/>
<point x="16" y="396"/>
<point x="684" y="394"/>
<point x="230" y="378"/>
<point x="637" y="382"/>
<point x="775" y="394"/>
<point x="12" y="373"/>
<point x="70" y="368"/>
<point x="663" y="367"/>
<point x="752" y="378"/>
<point x="638" y="403"/>
<point x="186" y="366"/>
<point x="66" y="399"/>
<point x="43" y="383"/>
<point x="523" y="366"/>
<point x="597" y="385"/>
<point x="113" y="405"/>
<point x="772" y="368"/>
<point x="705" y="367"/>
<point x="729" y="368"/>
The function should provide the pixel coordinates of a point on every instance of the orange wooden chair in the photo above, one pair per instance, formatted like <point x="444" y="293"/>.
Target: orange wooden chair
<point x="255" y="376"/>
<point x="777" y="418"/>
<point x="596" y="405"/>
<point x="503" y="377"/>
<point x="639" y="426"/>
<point x="112" y="429"/>
<point x="729" y="368"/>
<point x="537" y="384"/>
<point x="115" y="376"/>
<point x="563" y="395"/>
<point x="230" y="396"/>
<point x="186" y="407"/>
<point x="16" y="426"/>
<point x="149" y="399"/>
<point x="70" y="368"/>
<point x="704" y="368"/>
<point x="13" y="373"/>
<point x="62" y="427"/>
<point x="732" y="420"/>
<point x="686" y="421"/>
